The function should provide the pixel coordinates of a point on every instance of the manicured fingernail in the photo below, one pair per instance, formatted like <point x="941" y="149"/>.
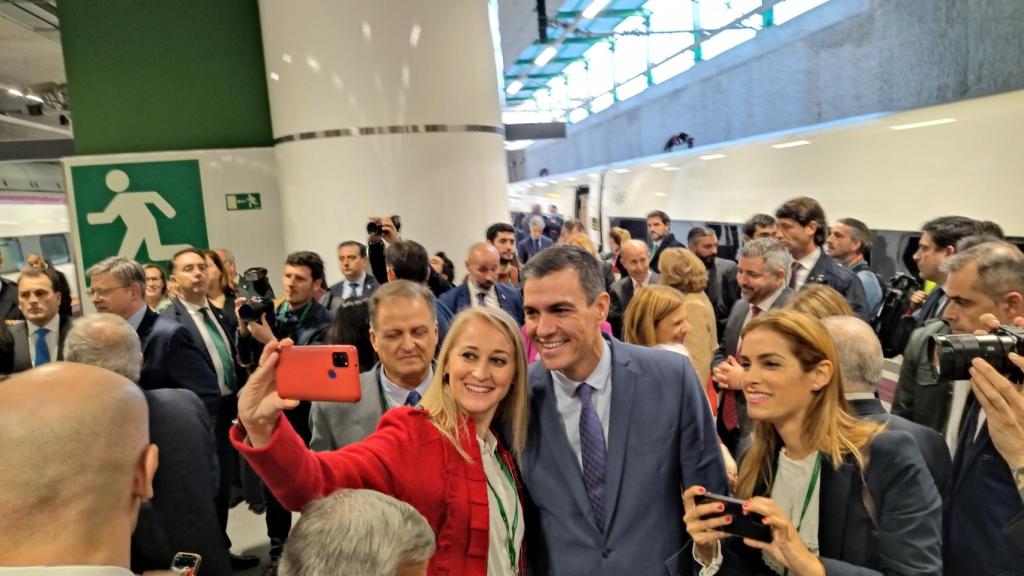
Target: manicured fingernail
<point x="764" y="521"/>
<point x="728" y="519"/>
<point x="721" y="507"/>
<point x="703" y="491"/>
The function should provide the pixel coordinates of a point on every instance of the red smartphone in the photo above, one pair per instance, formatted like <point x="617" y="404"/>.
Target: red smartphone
<point x="328" y="373"/>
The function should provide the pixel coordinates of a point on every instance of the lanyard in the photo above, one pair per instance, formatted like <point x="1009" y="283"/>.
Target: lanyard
<point x="510" y="533"/>
<point x="285" y="308"/>
<point x="807" y="498"/>
<point x="384" y="406"/>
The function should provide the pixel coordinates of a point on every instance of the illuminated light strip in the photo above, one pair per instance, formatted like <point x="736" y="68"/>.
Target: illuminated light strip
<point x="713" y="157"/>
<point x="911" y="126"/>
<point x="792" y="144"/>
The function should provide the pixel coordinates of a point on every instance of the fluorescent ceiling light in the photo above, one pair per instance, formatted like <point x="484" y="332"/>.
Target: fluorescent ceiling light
<point x="659" y="165"/>
<point x="572" y="179"/>
<point x="672" y="169"/>
<point x="546" y="56"/>
<point x="660" y="194"/>
<point x="792" y="144"/>
<point x="274" y="76"/>
<point x="553" y="195"/>
<point x="517" y="144"/>
<point x="621" y="170"/>
<point x="712" y="157"/>
<point x="514" y="88"/>
<point x="14" y="92"/>
<point x="34" y="98"/>
<point x="287" y="58"/>
<point x="592" y="176"/>
<point x="595" y="7"/>
<point x="923" y="124"/>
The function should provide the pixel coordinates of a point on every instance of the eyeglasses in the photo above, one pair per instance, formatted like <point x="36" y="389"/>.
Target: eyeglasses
<point x="103" y="292"/>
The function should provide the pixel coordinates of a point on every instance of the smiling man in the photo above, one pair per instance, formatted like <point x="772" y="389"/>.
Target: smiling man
<point x="616" y="431"/>
<point x="40" y="339"/>
<point x="403" y="331"/>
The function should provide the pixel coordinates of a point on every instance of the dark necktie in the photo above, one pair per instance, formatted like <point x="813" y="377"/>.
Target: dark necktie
<point x="934" y="304"/>
<point x="592" y="452"/>
<point x="413" y="399"/>
<point x="792" y="276"/>
<point x="42" y="350"/>
<point x="353" y="290"/>
<point x="730" y="410"/>
<point x="481" y="298"/>
<point x="536" y="245"/>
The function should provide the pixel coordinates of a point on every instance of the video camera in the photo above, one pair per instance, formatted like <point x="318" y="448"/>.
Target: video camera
<point x="891" y="322"/>
<point x="952" y="354"/>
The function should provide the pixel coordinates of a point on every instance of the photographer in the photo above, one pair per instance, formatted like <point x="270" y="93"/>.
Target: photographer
<point x="383" y="231"/>
<point x="301" y="318"/>
<point x="985" y="500"/>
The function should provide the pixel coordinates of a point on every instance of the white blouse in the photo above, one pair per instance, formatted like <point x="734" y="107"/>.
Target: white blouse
<point x="498" y="562"/>
<point x="792" y="480"/>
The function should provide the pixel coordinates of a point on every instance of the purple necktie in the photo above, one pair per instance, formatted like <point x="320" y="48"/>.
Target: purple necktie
<point x="592" y="452"/>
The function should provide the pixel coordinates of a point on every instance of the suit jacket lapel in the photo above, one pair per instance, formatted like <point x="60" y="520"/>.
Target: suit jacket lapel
<point x="623" y="391"/>
<point x="185" y="319"/>
<point x="732" y="337"/>
<point x="968" y="448"/>
<point x="22" y="356"/>
<point x="542" y="387"/>
<point x="837" y="489"/>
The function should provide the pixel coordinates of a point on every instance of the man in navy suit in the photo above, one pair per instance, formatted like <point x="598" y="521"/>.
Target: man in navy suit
<point x="356" y="281"/>
<point x="616" y="432"/>
<point x="536" y="242"/>
<point x="860" y="363"/>
<point x="801" y="227"/>
<point x="985" y="501"/>
<point x="659" y="232"/>
<point x="481" y="287"/>
<point x="40" y="338"/>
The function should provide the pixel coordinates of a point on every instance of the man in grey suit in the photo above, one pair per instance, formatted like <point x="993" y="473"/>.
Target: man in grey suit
<point x="636" y="258"/>
<point x="761" y="274"/>
<point x="616" y="431"/>
<point x="40" y="339"/>
<point x="403" y="331"/>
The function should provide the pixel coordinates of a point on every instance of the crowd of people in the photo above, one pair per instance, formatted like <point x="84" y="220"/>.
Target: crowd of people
<point x="551" y="411"/>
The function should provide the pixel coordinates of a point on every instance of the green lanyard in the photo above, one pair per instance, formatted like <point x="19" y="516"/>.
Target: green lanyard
<point x="383" y="399"/>
<point x="807" y="498"/>
<point x="510" y="533"/>
<point x="284" y="314"/>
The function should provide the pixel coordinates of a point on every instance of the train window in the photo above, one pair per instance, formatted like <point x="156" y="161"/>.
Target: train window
<point x="55" y="248"/>
<point x="10" y="248"/>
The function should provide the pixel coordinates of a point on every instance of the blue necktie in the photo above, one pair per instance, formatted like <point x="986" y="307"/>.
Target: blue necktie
<point x="413" y="399"/>
<point x="42" y="350"/>
<point x="353" y="290"/>
<point x="592" y="452"/>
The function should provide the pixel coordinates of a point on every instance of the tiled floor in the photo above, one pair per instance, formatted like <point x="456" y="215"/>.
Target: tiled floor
<point x="248" y="534"/>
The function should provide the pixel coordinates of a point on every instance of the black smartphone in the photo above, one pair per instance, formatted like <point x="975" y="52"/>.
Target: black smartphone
<point x="750" y="525"/>
<point x="186" y="563"/>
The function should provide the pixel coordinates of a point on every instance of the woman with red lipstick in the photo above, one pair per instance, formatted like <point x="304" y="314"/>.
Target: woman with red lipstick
<point x="842" y="496"/>
<point x="440" y="457"/>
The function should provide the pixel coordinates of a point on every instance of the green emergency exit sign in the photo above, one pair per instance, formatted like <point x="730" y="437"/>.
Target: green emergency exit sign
<point x="244" y="202"/>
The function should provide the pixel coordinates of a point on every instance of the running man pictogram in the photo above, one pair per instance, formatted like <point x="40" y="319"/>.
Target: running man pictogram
<point x="140" y="224"/>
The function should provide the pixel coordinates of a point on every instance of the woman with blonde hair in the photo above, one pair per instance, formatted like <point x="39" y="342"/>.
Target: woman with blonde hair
<point x="440" y="457"/>
<point x="616" y="238"/>
<point x="683" y="270"/>
<point x="840" y="495"/>
<point x="657" y="317"/>
<point x="820" y="301"/>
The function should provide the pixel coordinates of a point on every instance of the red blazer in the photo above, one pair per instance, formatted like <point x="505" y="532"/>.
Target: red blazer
<point x="407" y="458"/>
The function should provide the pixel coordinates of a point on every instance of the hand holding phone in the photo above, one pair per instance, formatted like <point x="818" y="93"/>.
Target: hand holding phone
<point x="186" y="563"/>
<point x="327" y="373"/>
<point x="745" y="525"/>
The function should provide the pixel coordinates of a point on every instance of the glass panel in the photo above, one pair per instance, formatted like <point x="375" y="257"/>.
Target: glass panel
<point x="10" y="248"/>
<point x="632" y="88"/>
<point x="600" y="80"/>
<point x="601" y="102"/>
<point x="630" y="51"/>
<point x="55" y="248"/>
<point x="792" y="8"/>
<point x="672" y="67"/>
<point x="669" y="16"/>
<point x="577" y="114"/>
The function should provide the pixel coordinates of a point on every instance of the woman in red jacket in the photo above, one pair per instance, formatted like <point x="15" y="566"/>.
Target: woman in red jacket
<point x="441" y="457"/>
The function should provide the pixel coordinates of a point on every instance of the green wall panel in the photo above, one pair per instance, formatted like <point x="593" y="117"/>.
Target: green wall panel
<point x="148" y="75"/>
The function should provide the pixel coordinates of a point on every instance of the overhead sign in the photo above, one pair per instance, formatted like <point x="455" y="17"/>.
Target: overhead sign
<point x="145" y="211"/>
<point x="243" y="202"/>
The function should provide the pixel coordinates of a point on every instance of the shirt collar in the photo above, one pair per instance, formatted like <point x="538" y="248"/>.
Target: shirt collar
<point x="398" y="395"/>
<point x="808" y="262"/>
<point x="53" y="325"/>
<point x="597" y="379"/>
<point x="136" y="319"/>
<point x="360" y="281"/>
<point x="646" y="282"/>
<point x="474" y="289"/>
<point x="860" y="396"/>
<point x="192" y="308"/>
<point x="488" y="443"/>
<point x="768" y="302"/>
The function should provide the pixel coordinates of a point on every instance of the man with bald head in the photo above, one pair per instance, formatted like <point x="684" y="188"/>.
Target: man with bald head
<point x="77" y="465"/>
<point x="181" y="517"/>
<point x="860" y="363"/>
<point x="481" y="287"/>
<point x="633" y="255"/>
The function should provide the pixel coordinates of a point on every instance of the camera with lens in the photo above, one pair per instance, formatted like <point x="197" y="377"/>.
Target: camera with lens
<point x="258" y="277"/>
<point x="254" y="308"/>
<point x="374" y="226"/>
<point x="952" y="354"/>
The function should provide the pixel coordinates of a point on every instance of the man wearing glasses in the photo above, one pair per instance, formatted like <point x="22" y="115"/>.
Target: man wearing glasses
<point x="170" y="358"/>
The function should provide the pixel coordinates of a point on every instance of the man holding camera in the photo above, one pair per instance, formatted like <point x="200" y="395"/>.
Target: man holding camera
<point x="301" y="318"/>
<point x="383" y="232"/>
<point x="985" y="499"/>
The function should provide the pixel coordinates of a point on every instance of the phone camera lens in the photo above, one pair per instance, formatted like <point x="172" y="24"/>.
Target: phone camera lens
<point x="340" y="359"/>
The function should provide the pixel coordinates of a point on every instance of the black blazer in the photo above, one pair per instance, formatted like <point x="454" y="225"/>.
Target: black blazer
<point x="22" y="356"/>
<point x="170" y="359"/>
<point x="9" y="301"/>
<point x="909" y="513"/>
<point x="179" y="314"/>
<point x="933" y="447"/>
<point x="621" y="294"/>
<point x="722" y="290"/>
<point x="669" y="242"/>
<point x="983" y="505"/>
<point x="181" y="515"/>
<point x="842" y="280"/>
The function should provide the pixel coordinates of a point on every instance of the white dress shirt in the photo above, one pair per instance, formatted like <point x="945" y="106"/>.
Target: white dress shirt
<point x="396" y="395"/>
<point x="52" y="338"/>
<point x="198" y="317"/>
<point x="569" y="406"/>
<point x="806" y="263"/>
<point x="638" y="285"/>
<point x="347" y="291"/>
<point x="490" y="298"/>
<point x="136" y="319"/>
<point x="498" y="562"/>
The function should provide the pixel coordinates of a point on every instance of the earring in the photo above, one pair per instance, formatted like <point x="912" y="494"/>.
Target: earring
<point x="445" y="378"/>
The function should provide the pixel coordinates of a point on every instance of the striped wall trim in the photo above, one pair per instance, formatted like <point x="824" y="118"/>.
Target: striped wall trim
<point x="387" y="130"/>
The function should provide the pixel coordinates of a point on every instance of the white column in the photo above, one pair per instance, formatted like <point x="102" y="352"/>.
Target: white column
<point x="385" y="107"/>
